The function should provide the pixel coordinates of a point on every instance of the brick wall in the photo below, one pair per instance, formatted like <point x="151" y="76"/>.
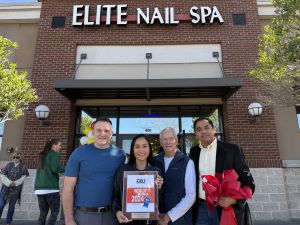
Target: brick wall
<point x="269" y="201"/>
<point x="277" y="194"/>
<point x="55" y="57"/>
<point x="292" y="181"/>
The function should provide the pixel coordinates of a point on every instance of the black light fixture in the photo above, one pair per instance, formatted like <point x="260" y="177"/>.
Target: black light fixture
<point x="148" y="57"/>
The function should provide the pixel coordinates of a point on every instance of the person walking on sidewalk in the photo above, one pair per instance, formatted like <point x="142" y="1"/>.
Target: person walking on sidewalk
<point x="12" y="177"/>
<point x="46" y="184"/>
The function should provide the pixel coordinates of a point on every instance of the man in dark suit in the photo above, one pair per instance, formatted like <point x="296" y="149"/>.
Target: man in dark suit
<point x="213" y="156"/>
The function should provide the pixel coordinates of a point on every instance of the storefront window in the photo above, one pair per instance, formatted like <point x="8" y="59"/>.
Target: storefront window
<point x="129" y="121"/>
<point x="1" y="133"/>
<point x="188" y="122"/>
<point x="146" y="125"/>
<point x="85" y="118"/>
<point x="298" y="115"/>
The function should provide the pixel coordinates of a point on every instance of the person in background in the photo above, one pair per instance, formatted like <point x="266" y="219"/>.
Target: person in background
<point x="212" y="156"/>
<point x="46" y="184"/>
<point x="92" y="169"/>
<point x="179" y="189"/>
<point x="12" y="177"/>
<point x="140" y="158"/>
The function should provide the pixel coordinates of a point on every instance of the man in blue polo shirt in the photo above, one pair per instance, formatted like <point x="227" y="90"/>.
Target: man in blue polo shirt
<point x="89" y="177"/>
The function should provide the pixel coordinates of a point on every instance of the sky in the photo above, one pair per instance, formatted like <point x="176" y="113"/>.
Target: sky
<point x="12" y="1"/>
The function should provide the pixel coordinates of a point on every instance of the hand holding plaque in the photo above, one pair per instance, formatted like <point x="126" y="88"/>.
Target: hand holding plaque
<point x="140" y="198"/>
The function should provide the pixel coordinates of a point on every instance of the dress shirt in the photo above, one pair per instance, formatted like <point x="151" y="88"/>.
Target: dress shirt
<point x="207" y="163"/>
<point x="190" y="192"/>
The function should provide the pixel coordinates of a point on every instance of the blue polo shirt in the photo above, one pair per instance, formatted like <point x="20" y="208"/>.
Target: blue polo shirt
<point x="95" y="170"/>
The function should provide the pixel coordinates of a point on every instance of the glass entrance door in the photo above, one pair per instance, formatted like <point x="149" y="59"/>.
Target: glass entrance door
<point x="148" y="120"/>
<point x="124" y="142"/>
<point x="129" y="121"/>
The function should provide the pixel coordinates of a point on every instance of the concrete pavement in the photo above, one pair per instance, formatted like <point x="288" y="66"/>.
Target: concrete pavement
<point x="272" y="222"/>
<point x="27" y="222"/>
<point x="278" y="222"/>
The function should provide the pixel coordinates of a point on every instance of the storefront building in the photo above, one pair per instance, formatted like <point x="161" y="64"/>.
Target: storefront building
<point x="149" y="65"/>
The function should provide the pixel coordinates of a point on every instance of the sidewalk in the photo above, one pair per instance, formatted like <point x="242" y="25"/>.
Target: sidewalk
<point x="278" y="222"/>
<point x="27" y="222"/>
<point x="272" y="222"/>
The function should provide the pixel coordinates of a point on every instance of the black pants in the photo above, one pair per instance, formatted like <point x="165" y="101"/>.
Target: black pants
<point x="48" y="201"/>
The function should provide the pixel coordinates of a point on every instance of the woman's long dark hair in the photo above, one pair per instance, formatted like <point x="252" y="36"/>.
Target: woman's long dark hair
<point x="47" y="148"/>
<point x="132" y="158"/>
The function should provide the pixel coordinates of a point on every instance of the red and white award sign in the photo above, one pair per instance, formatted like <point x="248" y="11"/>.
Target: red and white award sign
<point x="140" y="198"/>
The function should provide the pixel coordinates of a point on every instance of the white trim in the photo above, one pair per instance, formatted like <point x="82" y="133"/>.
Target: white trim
<point x="161" y="54"/>
<point x="265" y="9"/>
<point x="20" y="13"/>
<point x="129" y="62"/>
<point x="291" y="163"/>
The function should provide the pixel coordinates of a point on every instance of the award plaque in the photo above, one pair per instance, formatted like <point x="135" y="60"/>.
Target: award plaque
<point x="140" y="195"/>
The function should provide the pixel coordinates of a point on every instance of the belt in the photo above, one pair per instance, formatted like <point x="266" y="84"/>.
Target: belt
<point x="95" y="209"/>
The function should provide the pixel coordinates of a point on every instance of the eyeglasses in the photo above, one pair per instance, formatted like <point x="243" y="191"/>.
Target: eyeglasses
<point x="16" y="157"/>
<point x="168" y="140"/>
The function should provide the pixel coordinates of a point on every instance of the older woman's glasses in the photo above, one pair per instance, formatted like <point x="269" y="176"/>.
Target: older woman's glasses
<point x="16" y="157"/>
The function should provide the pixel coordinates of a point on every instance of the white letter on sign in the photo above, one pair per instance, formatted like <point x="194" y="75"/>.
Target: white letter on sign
<point x="86" y="21"/>
<point x="76" y="14"/>
<point x="194" y="14"/>
<point x="205" y="12"/>
<point x="120" y="14"/>
<point x="140" y="14"/>
<point x="216" y="15"/>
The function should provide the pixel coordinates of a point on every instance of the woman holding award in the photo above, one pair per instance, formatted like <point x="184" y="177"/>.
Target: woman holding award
<point x="139" y="160"/>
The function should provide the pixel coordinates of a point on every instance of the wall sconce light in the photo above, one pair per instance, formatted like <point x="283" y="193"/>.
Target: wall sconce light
<point x="255" y="110"/>
<point x="12" y="149"/>
<point x="42" y="113"/>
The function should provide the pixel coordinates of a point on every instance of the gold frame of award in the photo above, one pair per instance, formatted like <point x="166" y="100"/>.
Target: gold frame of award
<point x="140" y="195"/>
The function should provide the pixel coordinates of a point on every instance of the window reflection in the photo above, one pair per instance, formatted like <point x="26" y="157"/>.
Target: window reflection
<point x="298" y="115"/>
<point x="129" y="121"/>
<point x="146" y="125"/>
<point x="87" y="117"/>
<point x="1" y="133"/>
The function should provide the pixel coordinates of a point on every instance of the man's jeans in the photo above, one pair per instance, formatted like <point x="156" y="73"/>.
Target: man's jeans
<point x="48" y="201"/>
<point x="11" y="208"/>
<point x="206" y="216"/>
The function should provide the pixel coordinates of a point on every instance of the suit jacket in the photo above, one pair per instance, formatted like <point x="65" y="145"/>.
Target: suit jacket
<point x="229" y="156"/>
